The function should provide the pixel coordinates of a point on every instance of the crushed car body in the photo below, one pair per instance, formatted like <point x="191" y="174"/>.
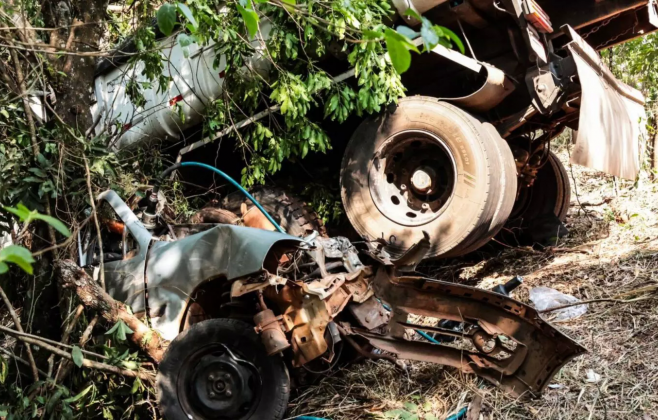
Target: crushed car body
<point x="306" y="297"/>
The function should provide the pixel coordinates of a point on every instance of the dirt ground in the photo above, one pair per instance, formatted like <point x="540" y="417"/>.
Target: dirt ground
<point x="612" y="248"/>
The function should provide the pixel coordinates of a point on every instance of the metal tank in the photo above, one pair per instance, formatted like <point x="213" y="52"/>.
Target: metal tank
<point x="195" y="83"/>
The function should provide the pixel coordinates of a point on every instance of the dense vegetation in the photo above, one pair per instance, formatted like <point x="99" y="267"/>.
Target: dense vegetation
<point x="54" y="158"/>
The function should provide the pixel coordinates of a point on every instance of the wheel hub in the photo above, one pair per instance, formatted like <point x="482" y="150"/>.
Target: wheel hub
<point x="221" y="385"/>
<point x="422" y="179"/>
<point x="412" y="177"/>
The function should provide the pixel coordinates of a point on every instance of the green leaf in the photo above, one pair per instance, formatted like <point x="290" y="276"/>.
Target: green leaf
<point x="182" y="7"/>
<point x="185" y="40"/>
<point x="120" y="329"/>
<point x="84" y="391"/>
<point x="411" y="12"/>
<point x="407" y="31"/>
<point x="368" y="34"/>
<point x="21" y="211"/>
<point x="19" y="256"/>
<point x="58" y="225"/>
<point x="136" y="386"/>
<point x="3" y="268"/>
<point x="398" y="51"/>
<point x="166" y="18"/>
<point x="410" y="407"/>
<point x="454" y="38"/>
<point x="430" y="36"/>
<point x="78" y="358"/>
<point x="3" y="370"/>
<point x="250" y="18"/>
<point x="290" y="2"/>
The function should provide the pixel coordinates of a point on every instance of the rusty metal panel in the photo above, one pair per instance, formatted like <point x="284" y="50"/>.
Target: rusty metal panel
<point x="370" y="314"/>
<point x="535" y="350"/>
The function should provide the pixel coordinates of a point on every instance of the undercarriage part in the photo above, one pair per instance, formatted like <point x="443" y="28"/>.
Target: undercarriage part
<point x="548" y="192"/>
<point x="308" y="308"/>
<point x="370" y="314"/>
<point x="297" y="218"/>
<point x="510" y="345"/>
<point x="431" y="167"/>
<point x="271" y="332"/>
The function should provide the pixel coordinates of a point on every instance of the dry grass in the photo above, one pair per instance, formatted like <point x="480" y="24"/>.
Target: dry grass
<point x="611" y="248"/>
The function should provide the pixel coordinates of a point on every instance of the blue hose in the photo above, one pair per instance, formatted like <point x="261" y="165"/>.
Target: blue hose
<point x="460" y="414"/>
<point x="239" y="187"/>
<point x="428" y="337"/>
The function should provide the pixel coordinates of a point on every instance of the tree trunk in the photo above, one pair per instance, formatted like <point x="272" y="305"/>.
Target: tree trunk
<point x="71" y="276"/>
<point x="80" y="20"/>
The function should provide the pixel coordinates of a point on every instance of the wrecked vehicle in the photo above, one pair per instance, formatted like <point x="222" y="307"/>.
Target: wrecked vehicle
<point x="245" y="306"/>
<point x="468" y="151"/>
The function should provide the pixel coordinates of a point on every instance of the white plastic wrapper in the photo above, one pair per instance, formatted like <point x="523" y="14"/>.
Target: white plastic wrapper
<point x="547" y="298"/>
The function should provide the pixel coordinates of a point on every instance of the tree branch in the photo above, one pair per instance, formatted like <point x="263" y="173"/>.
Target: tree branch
<point x="17" y="323"/>
<point x="94" y="297"/>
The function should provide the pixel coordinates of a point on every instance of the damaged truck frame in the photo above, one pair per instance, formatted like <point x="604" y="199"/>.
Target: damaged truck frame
<point x="468" y="150"/>
<point x="427" y="178"/>
<point x="243" y="305"/>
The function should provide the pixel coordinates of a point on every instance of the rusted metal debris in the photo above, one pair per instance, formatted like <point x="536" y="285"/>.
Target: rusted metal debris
<point x="309" y="297"/>
<point x="500" y="339"/>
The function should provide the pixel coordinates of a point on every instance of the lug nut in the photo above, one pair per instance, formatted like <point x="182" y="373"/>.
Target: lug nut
<point x="211" y="394"/>
<point x="228" y="393"/>
<point x="403" y="187"/>
<point x="425" y="206"/>
<point x="227" y="376"/>
<point x="211" y="377"/>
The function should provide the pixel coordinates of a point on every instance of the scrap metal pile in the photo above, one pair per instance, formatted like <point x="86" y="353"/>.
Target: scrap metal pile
<point x="322" y="296"/>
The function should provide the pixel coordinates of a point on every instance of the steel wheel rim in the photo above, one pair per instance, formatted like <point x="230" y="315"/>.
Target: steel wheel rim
<point x="412" y="177"/>
<point x="217" y="383"/>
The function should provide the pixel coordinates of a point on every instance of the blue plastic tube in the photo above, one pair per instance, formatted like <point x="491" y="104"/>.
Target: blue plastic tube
<point x="239" y="187"/>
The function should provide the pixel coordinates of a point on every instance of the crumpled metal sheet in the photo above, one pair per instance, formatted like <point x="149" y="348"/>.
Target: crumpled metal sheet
<point x="610" y="116"/>
<point x="175" y="269"/>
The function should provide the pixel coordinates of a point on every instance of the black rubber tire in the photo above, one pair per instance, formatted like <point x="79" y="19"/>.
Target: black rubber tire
<point x="550" y="193"/>
<point x="238" y="336"/>
<point x="294" y="216"/>
<point x="483" y="193"/>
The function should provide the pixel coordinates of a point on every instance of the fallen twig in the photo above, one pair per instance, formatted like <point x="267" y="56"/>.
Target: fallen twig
<point x="17" y="323"/>
<point x="86" y="362"/>
<point x="42" y="340"/>
<point x="21" y="360"/>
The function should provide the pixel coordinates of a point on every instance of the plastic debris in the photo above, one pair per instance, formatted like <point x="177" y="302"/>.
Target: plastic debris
<point x="546" y="298"/>
<point x="593" y="377"/>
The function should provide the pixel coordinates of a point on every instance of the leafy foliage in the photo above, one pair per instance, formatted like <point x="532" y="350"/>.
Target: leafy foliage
<point x="292" y="36"/>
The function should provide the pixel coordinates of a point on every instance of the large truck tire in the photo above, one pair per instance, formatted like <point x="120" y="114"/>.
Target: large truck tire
<point x="294" y="216"/>
<point x="428" y="166"/>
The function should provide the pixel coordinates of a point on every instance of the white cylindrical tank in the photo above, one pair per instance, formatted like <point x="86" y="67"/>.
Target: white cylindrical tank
<point x="195" y="83"/>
